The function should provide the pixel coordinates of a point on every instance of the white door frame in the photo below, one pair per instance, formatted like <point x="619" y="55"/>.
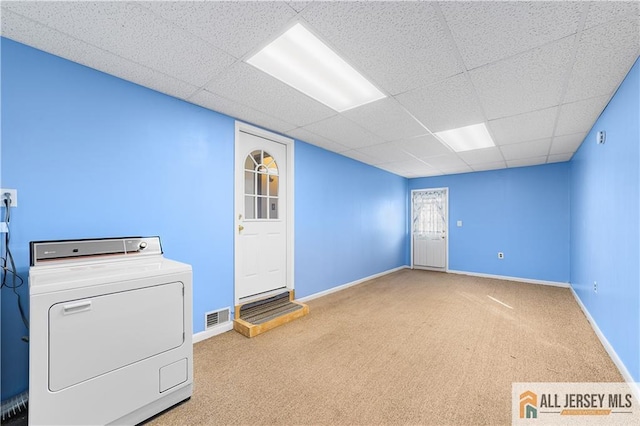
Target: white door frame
<point x="247" y="128"/>
<point x="446" y="241"/>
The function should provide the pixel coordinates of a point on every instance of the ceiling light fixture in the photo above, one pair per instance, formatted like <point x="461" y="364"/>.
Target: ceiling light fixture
<point x="467" y="138"/>
<point x="301" y="60"/>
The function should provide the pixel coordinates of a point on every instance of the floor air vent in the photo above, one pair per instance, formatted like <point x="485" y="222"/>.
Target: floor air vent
<point x="211" y="319"/>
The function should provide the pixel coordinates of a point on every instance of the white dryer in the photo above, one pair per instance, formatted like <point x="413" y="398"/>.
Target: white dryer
<point x="111" y="331"/>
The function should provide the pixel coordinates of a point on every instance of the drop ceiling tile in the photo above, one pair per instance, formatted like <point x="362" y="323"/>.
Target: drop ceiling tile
<point x="423" y="146"/>
<point x="601" y="12"/>
<point x="387" y="119"/>
<point x="579" y="117"/>
<point x="413" y="166"/>
<point x="527" y="162"/>
<point x="524" y="127"/>
<point x="133" y="33"/>
<point x="385" y="153"/>
<point x="298" y="6"/>
<point x="530" y="81"/>
<point x="489" y="166"/>
<point x="567" y="144"/>
<point x="604" y="56"/>
<point x="344" y="132"/>
<point x="443" y="162"/>
<point x="236" y="27"/>
<point x="27" y="31"/>
<point x="249" y="86"/>
<point x="489" y="31"/>
<point x="317" y="140"/>
<point x="519" y="151"/>
<point x="362" y="157"/>
<point x="559" y="158"/>
<point x="217" y="103"/>
<point x="398" y="45"/>
<point x="445" y="105"/>
<point x="482" y="156"/>
<point x="456" y="170"/>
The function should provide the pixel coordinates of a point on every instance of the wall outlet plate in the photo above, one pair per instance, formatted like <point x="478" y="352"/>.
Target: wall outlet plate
<point x="4" y="228"/>
<point x="500" y="255"/>
<point x="13" y="195"/>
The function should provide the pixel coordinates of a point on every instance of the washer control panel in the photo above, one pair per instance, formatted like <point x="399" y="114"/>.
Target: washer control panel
<point x="77" y="250"/>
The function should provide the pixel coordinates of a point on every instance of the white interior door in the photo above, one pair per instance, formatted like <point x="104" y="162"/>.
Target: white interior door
<point x="429" y="228"/>
<point x="262" y="232"/>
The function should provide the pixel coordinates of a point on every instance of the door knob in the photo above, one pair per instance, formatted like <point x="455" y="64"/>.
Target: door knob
<point x="240" y="228"/>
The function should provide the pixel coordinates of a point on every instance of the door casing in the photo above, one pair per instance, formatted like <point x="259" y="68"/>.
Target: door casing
<point x="446" y="189"/>
<point x="290" y="145"/>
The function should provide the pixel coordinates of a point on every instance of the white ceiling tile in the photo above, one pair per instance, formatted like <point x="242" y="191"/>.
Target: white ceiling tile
<point x="559" y="158"/>
<point x="527" y="162"/>
<point x="317" y="140"/>
<point x="423" y="146"/>
<point x="23" y="30"/>
<point x="345" y="132"/>
<point x="398" y="45"/>
<point x="385" y="153"/>
<point x="133" y="33"/>
<point x="482" y="156"/>
<point x="519" y="151"/>
<point x="579" y="117"/>
<point x="567" y="144"/>
<point x="443" y="162"/>
<point x="456" y="169"/>
<point x="489" y="166"/>
<point x="250" y="86"/>
<point x="488" y="31"/>
<point x="387" y="119"/>
<point x="445" y="105"/>
<point x="601" y="12"/>
<point x="530" y="81"/>
<point x="524" y="127"/>
<point x="236" y="27"/>
<point x="298" y="6"/>
<point x="604" y="56"/>
<point x="236" y="110"/>
<point x="413" y="166"/>
<point x="357" y="155"/>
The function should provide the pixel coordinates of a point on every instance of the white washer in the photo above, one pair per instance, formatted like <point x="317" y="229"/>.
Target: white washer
<point x="111" y="331"/>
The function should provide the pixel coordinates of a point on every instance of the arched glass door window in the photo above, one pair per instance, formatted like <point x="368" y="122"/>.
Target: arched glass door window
<point x="260" y="186"/>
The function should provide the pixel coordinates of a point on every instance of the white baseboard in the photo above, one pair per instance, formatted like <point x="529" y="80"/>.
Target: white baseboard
<point x="213" y="331"/>
<point x="635" y="387"/>
<point x="347" y="285"/>
<point x="517" y="279"/>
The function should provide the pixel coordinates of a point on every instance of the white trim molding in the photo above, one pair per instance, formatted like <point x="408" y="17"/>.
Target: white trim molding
<point x="516" y="279"/>
<point x="350" y="284"/>
<point x="635" y="386"/>
<point x="213" y="331"/>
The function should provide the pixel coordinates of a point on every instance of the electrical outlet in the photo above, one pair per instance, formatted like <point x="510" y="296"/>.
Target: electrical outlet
<point x="4" y="228"/>
<point x="13" y="196"/>
<point x="595" y="286"/>
<point x="500" y="255"/>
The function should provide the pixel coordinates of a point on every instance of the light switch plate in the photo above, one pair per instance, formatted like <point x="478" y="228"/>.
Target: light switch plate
<point x="459" y="223"/>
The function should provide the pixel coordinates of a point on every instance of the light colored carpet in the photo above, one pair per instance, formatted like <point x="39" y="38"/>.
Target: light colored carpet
<point x="412" y="347"/>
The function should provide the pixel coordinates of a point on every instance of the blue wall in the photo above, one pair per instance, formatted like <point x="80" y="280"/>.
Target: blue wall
<point x="335" y="245"/>
<point x="605" y="223"/>
<point x="93" y="156"/>
<point x="523" y="212"/>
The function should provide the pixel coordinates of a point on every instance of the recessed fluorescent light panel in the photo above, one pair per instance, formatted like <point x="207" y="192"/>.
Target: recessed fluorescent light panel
<point x="301" y="60"/>
<point x="467" y="138"/>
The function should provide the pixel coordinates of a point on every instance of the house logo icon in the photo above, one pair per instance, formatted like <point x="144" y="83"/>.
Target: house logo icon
<point x="528" y="405"/>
